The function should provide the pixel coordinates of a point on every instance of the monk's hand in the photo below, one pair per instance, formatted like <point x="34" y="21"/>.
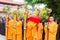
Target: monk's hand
<point x="24" y="28"/>
<point x="14" y="26"/>
<point x="46" y="25"/>
<point x="35" y="36"/>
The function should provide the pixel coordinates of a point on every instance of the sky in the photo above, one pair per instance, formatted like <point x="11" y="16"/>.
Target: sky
<point x="18" y="0"/>
<point x="37" y="6"/>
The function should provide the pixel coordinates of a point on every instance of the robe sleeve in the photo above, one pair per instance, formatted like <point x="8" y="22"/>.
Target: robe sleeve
<point x="53" y="30"/>
<point x="40" y="30"/>
<point x="40" y="27"/>
<point x="45" y="27"/>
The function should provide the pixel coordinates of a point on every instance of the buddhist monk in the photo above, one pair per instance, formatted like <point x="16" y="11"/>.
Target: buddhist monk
<point x="19" y="29"/>
<point x="40" y="31"/>
<point x="30" y="26"/>
<point x="34" y="28"/>
<point x="8" y="18"/>
<point x="40" y="26"/>
<point x="52" y="27"/>
<point x="6" y="29"/>
<point x="14" y="27"/>
<point x="10" y="28"/>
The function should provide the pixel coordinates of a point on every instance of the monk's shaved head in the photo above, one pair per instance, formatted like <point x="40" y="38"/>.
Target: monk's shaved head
<point x="51" y="18"/>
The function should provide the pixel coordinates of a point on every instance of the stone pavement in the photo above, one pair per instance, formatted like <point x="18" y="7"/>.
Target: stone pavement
<point x="2" y="37"/>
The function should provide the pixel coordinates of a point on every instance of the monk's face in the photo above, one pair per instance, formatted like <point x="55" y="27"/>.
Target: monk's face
<point x="18" y="18"/>
<point x="51" y="19"/>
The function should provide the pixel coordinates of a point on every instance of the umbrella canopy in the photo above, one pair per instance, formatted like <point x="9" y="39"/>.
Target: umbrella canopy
<point x="35" y="19"/>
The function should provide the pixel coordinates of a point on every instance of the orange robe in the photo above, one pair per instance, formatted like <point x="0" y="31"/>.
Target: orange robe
<point x="37" y="30"/>
<point x="10" y="29"/>
<point x="34" y="31"/>
<point x="40" y="31"/>
<point x="29" y="31"/>
<point x="6" y="29"/>
<point x="19" y="30"/>
<point x="32" y="27"/>
<point x="52" y="31"/>
<point x="14" y="28"/>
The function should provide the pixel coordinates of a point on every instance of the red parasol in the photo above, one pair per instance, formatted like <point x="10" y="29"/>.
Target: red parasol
<point x="35" y="19"/>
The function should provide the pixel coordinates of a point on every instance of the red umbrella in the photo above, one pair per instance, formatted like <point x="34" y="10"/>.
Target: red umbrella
<point x="35" y="19"/>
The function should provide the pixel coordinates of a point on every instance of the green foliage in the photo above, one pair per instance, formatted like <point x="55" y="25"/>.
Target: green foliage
<point x="33" y="1"/>
<point x="13" y="13"/>
<point x="20" y="14"/>
<point x="53" y="4"/>
<point x="43" y="13"/>
<point x="6" y="9"/>
<point x="26" y="5"/>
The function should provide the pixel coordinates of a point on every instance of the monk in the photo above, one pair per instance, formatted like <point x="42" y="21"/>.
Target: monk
<point x="14" y="27"/>
<point x="30" y="26"/>
<point x="52" y="27"/>
<point x="6" y="29"/>
<point x="34" y="28"/>
<point x="19" y="29"/>
<point x="40" y="31"/>
<point x="39" y="26"/>
<point x="10" y="28"/>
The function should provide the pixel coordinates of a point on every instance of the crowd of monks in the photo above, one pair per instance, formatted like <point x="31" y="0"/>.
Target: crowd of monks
<point x="13" y="28"/>
<point x="33" y="28"/>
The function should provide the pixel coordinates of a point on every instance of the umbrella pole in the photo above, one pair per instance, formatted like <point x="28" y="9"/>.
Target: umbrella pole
<point x="48" y="27"/>
<point x="25" y="26"/>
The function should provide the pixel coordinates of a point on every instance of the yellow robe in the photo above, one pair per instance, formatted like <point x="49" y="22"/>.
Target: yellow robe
<point x="6" y="29"/>
<point x="10" y="29"/>
<point x="37" y="33"/>
<point x="52" y="31"/>
<point x="19" y="30"/>
<point x="14" y="28"/>
<point x="29" y="31"/>
<point x="34" y="32"/>
<point x="40" y="31"/>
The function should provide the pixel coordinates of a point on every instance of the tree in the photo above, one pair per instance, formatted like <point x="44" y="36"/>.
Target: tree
<point x="33" y="2"/>
<point x="53" y="4"/>
<point x="6" y="9"/>
<point x="44" y="13"/>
